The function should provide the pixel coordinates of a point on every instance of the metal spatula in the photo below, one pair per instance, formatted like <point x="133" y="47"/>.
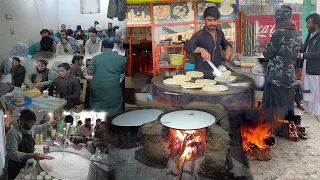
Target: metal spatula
<point x="215" y="69"/>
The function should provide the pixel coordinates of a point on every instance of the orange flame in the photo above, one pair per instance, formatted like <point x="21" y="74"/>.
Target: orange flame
<point x="255" y="135"/>
<point x="186" y="140"/>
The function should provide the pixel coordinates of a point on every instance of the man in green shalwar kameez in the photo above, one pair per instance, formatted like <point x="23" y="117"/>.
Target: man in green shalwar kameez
<point x="106" y="94"/>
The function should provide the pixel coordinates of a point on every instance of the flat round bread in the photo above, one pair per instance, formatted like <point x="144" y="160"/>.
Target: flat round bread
<point x="205" y="82"/>
<point x="32" y="93"/>
<point x="224" y="73"/>
<point x="229" y="78"/>
<point x="182" y="77"/>
<point x="172" y="81"/>
<point x="189" y="85"/>
<point x="195" y="74"/>
<point x="215" y="88"/>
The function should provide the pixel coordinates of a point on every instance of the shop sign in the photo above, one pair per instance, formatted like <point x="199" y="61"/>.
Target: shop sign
<point x="266" y="26"/>
<point x="228" y="9"/>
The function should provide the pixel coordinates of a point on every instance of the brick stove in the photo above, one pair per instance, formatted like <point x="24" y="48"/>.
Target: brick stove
<point x="165" y="153"/>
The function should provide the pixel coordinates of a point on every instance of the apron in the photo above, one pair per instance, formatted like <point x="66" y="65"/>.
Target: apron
<point x="27" y="146"/>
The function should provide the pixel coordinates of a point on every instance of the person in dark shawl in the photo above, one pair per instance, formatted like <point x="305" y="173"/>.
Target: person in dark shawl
<point x="281" y="51"/>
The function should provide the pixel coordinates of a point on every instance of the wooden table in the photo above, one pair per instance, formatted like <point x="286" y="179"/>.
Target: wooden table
<point x="50" y="104"/>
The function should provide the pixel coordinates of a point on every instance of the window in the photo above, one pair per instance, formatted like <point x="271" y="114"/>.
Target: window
<point x="90" y="6"/>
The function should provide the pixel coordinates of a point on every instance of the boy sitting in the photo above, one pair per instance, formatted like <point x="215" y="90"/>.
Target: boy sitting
<point x="67" y="86"/>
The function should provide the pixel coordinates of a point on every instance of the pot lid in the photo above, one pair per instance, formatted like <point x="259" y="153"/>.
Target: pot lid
<point x="187" y="119"/>
<point x="136" y="117"/>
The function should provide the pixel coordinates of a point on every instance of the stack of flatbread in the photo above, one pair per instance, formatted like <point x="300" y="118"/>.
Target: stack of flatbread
<point x="215" y="88"/>
<point x="195" y="74"/>
<point x="32" y="93"/>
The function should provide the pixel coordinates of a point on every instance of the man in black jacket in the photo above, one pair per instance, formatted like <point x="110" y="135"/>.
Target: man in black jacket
<point x="311" y="66"/>
<point x="282" y="51"/>
<point x="206" y="43"/>
<point x="68" y="87"/>
<point x="18" y="72"/>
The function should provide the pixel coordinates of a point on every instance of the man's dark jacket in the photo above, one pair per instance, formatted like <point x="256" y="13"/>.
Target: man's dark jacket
<point x="313" y="54"/>
<point x="18" y="75"/>
<point x="73" y="88"/>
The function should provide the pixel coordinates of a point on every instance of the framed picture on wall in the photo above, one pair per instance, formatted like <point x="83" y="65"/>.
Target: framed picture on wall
<point x="90" y="6"/>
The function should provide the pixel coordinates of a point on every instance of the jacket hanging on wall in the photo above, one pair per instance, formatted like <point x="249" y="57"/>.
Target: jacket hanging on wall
<point x="117" y="8"/>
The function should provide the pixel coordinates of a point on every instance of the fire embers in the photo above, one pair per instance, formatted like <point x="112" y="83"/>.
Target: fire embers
<point x="258" y="140"/>
<point x="186" y="151"/>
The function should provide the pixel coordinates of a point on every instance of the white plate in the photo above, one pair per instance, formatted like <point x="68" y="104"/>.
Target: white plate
<point x="73" y="167"/>
<point x="187" y="119"/>
<point x="137" y="117"/>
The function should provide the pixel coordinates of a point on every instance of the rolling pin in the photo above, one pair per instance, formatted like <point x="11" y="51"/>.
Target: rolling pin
<point x="248" y="64"/>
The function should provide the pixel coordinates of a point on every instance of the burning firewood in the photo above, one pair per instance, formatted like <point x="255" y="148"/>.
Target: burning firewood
<point x="260" y="154"/>
<point x="185" y="149"/>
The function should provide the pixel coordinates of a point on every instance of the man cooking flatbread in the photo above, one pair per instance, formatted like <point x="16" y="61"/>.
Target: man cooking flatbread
<point x="206" y="43"/>
<point x="20" y="141"/>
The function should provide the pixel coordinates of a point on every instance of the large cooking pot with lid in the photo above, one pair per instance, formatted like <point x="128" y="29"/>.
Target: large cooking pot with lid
<point x="259" y="77"/>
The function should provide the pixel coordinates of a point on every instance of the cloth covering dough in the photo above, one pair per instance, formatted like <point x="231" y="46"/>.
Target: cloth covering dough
<point x="215" y="88"/>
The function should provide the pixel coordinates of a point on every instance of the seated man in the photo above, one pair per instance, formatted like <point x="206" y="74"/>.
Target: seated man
<point x="42" y="78"/>
<point x="77" y="62"/>
<point x="97" y="128"/>
<point x="93" y="44"/>
<point x="68" y="86"/>
<point x="64" y="47"/>
<point x="85" y="70"/>
<point x="84" y="132"/>
<point x="46" y="33"/>
<point x="102" y="140"/>
<point x="46" y="52"/>
<point x="18" y="72"/>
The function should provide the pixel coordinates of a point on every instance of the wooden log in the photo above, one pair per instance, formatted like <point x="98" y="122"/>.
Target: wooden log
<point x="260" y="154"/>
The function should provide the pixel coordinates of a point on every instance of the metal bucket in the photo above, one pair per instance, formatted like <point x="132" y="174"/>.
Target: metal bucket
<point x="259" y="77"/>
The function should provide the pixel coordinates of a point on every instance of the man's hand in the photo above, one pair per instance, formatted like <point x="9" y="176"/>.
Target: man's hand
<point x="299" y="55"/>
<point x="39" y="85"/>
<point x="205" y="55"/>
<point x="64" y="41"/>
<point x="229" y="53"/>
<point x="31" y="85"/>
<point x="36" y="156"/>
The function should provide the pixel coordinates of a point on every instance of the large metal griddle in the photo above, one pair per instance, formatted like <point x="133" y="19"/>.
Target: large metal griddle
<point x="239" y="94"/>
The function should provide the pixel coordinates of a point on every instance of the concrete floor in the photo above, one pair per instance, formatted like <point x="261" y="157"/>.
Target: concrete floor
<point x="292" y="160"/>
